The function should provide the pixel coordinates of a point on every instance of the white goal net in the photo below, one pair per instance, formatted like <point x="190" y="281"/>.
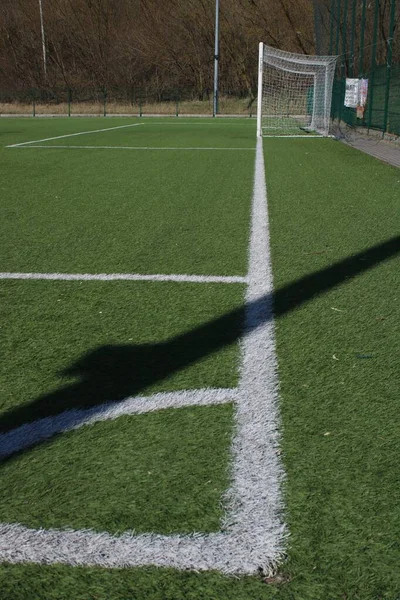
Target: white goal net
<point x="294" y="93"/>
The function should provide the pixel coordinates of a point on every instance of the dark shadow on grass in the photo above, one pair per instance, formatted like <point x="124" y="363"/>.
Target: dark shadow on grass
<point x="112" y="373"/>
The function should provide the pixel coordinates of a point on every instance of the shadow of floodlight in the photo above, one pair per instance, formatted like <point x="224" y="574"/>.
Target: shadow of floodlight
<point x="112" y="373"/>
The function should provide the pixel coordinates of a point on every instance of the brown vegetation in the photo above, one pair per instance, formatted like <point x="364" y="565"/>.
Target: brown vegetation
<point x="146" y="45"/>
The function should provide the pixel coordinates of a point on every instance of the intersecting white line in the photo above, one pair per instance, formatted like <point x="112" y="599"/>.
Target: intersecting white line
<point x="253" y="532"/>
<point x="51" y="146"/>
<point x="126" y="277"/>
<point x="59" y="137"/>
<point x="295" y="135"/>
<point x="30" y="434"/>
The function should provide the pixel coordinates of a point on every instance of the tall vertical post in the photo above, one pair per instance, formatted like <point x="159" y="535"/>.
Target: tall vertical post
<point x="216" y="59"/>
<point x="353" y="33"/>
<point x="373" y="63"/>
<point x="344" y="37"/>
<point x="43" y="40"/>
<point x="260" y="86"/>
<point x="389" y="60"/>
<point x="362" y="37"/>
<point x="338" y="27"/>
<point x="104" y="101"/>
<point x="331" y="27"/>
<point x="318" y="28"/>
<point x="331" y="13"/>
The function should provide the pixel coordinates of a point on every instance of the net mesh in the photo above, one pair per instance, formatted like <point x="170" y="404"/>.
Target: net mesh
<point x="296" y="93"/>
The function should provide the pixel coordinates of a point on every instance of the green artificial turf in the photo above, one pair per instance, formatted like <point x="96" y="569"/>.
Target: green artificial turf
<point x="78" y="344"/>
<point x="337" y="330"/>
<point x="338" y="365"/>
<point x="94" y="211"/>
<point x="167" y="133"/>
<point x="163" y="472"/>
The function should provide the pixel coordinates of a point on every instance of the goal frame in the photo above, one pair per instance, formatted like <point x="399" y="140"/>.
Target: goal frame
<point x="298" y="64"/>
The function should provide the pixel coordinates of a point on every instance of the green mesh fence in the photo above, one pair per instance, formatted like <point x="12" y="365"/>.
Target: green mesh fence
<point x="365" y="34"/>
<point x="374" y="114"/>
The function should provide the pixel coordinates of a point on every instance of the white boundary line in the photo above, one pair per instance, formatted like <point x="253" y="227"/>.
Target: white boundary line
<point x="32" y="145"/>
<point x="202" y="121"/>
<point x="58" y="137"/>
<point x="294" y="136"/>
<point x="253" y="534"/>
<point x="125" y="277"/>
<point x="29" y="434"/>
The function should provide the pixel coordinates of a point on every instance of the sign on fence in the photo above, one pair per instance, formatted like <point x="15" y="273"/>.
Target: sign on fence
<point x="352" y="93"/>
<point x="356" y="95"/>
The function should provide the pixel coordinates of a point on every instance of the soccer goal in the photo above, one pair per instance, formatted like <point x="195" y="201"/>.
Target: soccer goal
<point x="294" y="93"/>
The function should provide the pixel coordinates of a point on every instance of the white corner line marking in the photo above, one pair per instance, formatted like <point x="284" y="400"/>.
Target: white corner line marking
<point x="125" y="277"/>
<point x="29" y="434"/>
<point x="294" y="135"/>
<point x="253" y="532"/>
<point x="59" y="137"/>
<point x="69" y="147"/>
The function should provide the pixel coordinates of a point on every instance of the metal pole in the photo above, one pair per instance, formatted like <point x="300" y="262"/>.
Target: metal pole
<point x="317" y="27"/>
<point x="342" y="30"/>
<point x="43" y="40"/>
<point x="331" y="28"/>
<point x="353" y="32"/>
<point x="361" y="64"/>
<point x="373" y="64"/>
<point x="216" y="59"/>
<point x="389" y="65"/>
<point x="338" y="27"/>
<point x="344" y="37"/>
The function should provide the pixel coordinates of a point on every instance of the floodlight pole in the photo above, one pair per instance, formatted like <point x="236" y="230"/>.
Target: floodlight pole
<point x="43" y="40"/>
<point x="216" y="59"/>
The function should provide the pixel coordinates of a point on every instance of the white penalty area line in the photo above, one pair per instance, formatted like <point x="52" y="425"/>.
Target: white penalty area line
<point x="125" y="277"/>
<point x="201" y="121"/>
<point x="29" y="434"/>
<point x="69" y="147"/>
<point x="294" y="136"/>
<point x="253" y="533"/>
<point x="59" y="137"/>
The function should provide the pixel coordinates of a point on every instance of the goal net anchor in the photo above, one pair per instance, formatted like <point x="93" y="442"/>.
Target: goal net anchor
<point x="294" y="93"/>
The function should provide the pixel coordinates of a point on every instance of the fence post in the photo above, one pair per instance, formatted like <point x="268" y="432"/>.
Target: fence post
<point x="389" y="66"/>
<point x="331" y="28"/>
<point x="104" y="101"/>
<point x="362" y="37"/>
<point x="33" y="107"/>
<point x="344" y="27"/>
<point x="338" y="26"/>
<point x="353" y="33"/>
<point x="343" y="69"/>
<point x="373" y="63"/>
<point x="69" y="101"/>
<point x="177" y="105"/>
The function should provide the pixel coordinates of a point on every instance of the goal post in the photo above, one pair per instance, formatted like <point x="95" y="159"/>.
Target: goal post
<point x="294" y="93"/>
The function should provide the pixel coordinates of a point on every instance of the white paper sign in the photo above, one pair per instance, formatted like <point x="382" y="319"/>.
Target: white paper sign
<point x="356" y="92"/>
<point x="352" y="93"/>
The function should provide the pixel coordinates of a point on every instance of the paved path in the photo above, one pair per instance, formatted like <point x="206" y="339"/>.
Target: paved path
<point x="389" y="153"/>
